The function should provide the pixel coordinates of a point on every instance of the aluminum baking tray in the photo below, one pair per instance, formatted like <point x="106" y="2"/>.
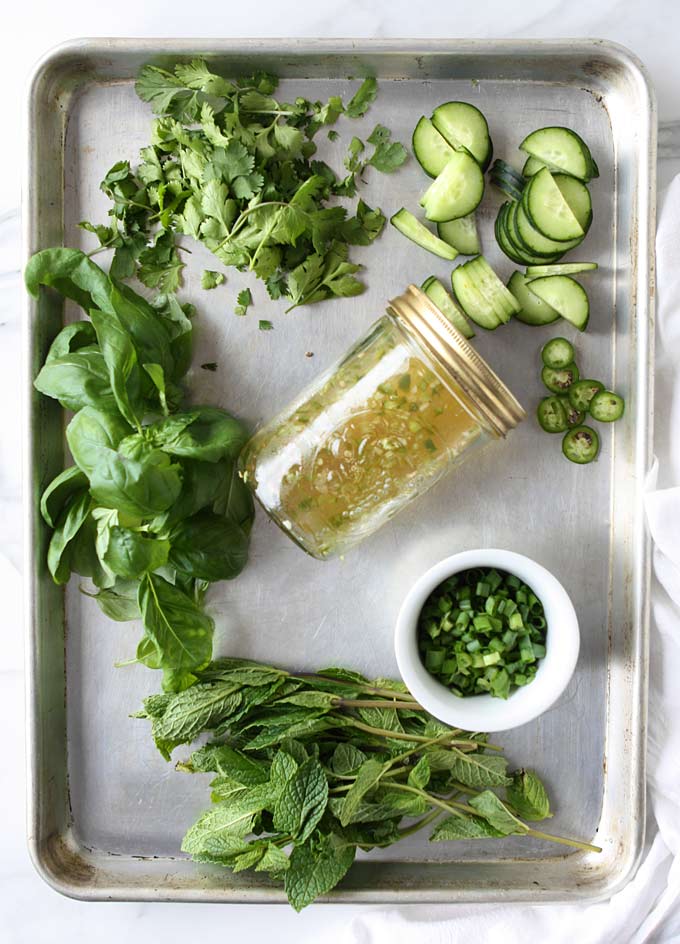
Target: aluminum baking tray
<point x="106" y="813"/>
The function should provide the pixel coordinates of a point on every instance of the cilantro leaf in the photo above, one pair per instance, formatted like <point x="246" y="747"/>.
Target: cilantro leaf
<point x="265" y="325"/>
<point x="210" y="279"/>
<point x="243" y="300"/>
<point x="359" y="104"/>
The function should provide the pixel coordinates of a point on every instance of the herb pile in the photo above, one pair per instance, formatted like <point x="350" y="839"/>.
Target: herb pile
<point x="153" y="510"/>
<point x="482" y="632"/>
<point x="310" y="768"/>
<point x="234" y="168"/>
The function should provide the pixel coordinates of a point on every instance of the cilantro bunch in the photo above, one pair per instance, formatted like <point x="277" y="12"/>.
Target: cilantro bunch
<point x="233" y="167"/>
<point x="153" y="509"/>
<point x="310" y="768"/>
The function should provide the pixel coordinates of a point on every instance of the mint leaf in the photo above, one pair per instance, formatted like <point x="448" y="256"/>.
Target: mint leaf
<point x="347" y="759"/>
<point x="359" y="104"/>
<point x="419" y="777"/>
<point x="302" y="801"/>
<point x="474" y="770"/>
<point x="495" y="812"/>
<point x="210" y="279"/>
<point x="214" y="831"/>
<point x="194" y="710"/>
<point x="316" y="867"/>
<point x="367" y="777"/>
<point x="465" y="827"/>
<point x="528" y="796"/>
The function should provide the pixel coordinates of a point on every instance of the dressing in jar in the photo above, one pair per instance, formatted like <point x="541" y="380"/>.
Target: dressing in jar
<point x="410" y="400"/>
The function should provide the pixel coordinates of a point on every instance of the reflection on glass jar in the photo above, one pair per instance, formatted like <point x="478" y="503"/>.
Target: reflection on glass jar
<point x="373" y="432"/>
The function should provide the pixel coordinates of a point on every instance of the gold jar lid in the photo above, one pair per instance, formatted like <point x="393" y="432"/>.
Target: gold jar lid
<point x="450" y="350"/>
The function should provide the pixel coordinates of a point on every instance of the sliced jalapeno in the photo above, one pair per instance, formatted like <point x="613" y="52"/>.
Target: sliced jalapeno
<point x="606" y="407"/>
<point x="559" y="380"/>
<point x="558" y="353"/>
<point x="574" y="417"/>
<point x="582" y="392"/>
<point x="581" y="444"/>
<point x="551" y="415"/>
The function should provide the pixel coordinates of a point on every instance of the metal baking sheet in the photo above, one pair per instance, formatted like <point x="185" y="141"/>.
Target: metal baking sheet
<point x="106" y="812"/>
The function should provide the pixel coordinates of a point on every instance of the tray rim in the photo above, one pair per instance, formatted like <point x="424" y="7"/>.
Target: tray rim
<point x="73" y="869"/>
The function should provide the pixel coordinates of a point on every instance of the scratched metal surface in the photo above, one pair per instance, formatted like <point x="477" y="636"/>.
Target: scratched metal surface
<point x="108" y="813"/>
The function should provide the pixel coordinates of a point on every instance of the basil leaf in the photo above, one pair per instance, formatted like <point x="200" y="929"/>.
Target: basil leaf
<point x="89" y="431"/>
<point x="315" y="867"/>
<point x="72" y="338"/>
<point x="146" y="329"/>
<point x="78" y="380"/>
<point x="157" y="375"/>
<point x="70" y="523"/>
<point x="72" y="273"/>
<point x="119" y="602"/>
<point x="206" y="433"/>
<point x="121" y="361"/>
<point x="130" y="554"/>
<point x="528" y="796"/>
<point x="59" y="492"/>
<point x="208" y="547"/>
<point x="144" y="483"/>
<point x="179" y="631"/>
<point x="235" y="500"/>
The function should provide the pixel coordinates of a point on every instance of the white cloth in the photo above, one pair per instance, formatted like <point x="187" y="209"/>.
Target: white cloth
<point x="648" y="909"/>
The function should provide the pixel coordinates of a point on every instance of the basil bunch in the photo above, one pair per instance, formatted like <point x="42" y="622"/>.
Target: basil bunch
<point x="153" y="509"/>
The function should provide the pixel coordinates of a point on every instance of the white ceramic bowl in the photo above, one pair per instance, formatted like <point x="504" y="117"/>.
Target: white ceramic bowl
<point x="483" y="712"/>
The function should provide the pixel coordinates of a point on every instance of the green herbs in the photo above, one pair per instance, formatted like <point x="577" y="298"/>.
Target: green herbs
<point x="153" y="509"/>
<point x="234" y="168"/>
<point x="579" y="397"/>
<point x="306" y="769"/>
<point x="482" y="632"/>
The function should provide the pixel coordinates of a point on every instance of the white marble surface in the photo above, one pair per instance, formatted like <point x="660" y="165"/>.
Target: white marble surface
<point x="29" y="911"/>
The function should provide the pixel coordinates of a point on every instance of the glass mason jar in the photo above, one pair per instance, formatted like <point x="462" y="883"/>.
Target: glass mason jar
<point x="408" y="402"/>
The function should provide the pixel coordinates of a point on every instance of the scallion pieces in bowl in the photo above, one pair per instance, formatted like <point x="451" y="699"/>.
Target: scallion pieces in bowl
<point x="482" y="632"/>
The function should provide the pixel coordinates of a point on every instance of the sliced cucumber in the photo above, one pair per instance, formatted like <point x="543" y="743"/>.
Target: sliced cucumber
<point x="534" y="310"/>
<point x="577" y="196"/>
<point x="502" y="237"/>
<point x="519" y="251"/>
<point x="561" y="148"/>
<point x="532" y="165"/>
<point x="435" y="291"/>
<point x="417" y="232"/>
<point x="456" y="192"/>
<point x="490" y="286"/>
<point x="471" y="300"/>
<point x="563" y="268"/>
<point x="431" y="150"/>
<point x="461" y="234"/>
<point x="501" y="168"/>
<point x="566" y="296"/>
<point x="463" y="125"/>
<point x="547" y="209"/>
<point x="535" y="241"/>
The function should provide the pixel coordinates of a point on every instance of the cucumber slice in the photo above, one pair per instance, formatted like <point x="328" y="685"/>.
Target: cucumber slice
<point x="490" y="286"/>
<point x="566" y="296"/>
<point x="417" y="232"/>
<point x="472" y="301"/>
<point x="464" y="125"/>
<point x="436" y="292"/>
<point x="577" y="196"/>
<point x="461" y="234"/>
<point x="536" y="242"/>
<point x="507" y="187"/>
<point x="431" y="150"/>
<point x="502" y="237"/>
<point x="501" y="168"/>
<point x="534" y="310"/>
<point x="547" y="209"/>
<point x="564" y="268"/>
<point x="532" y="165"/>
<point x="515" y="238"/>
<point x="561" y="148"/>
<point x="456" y="192"/>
